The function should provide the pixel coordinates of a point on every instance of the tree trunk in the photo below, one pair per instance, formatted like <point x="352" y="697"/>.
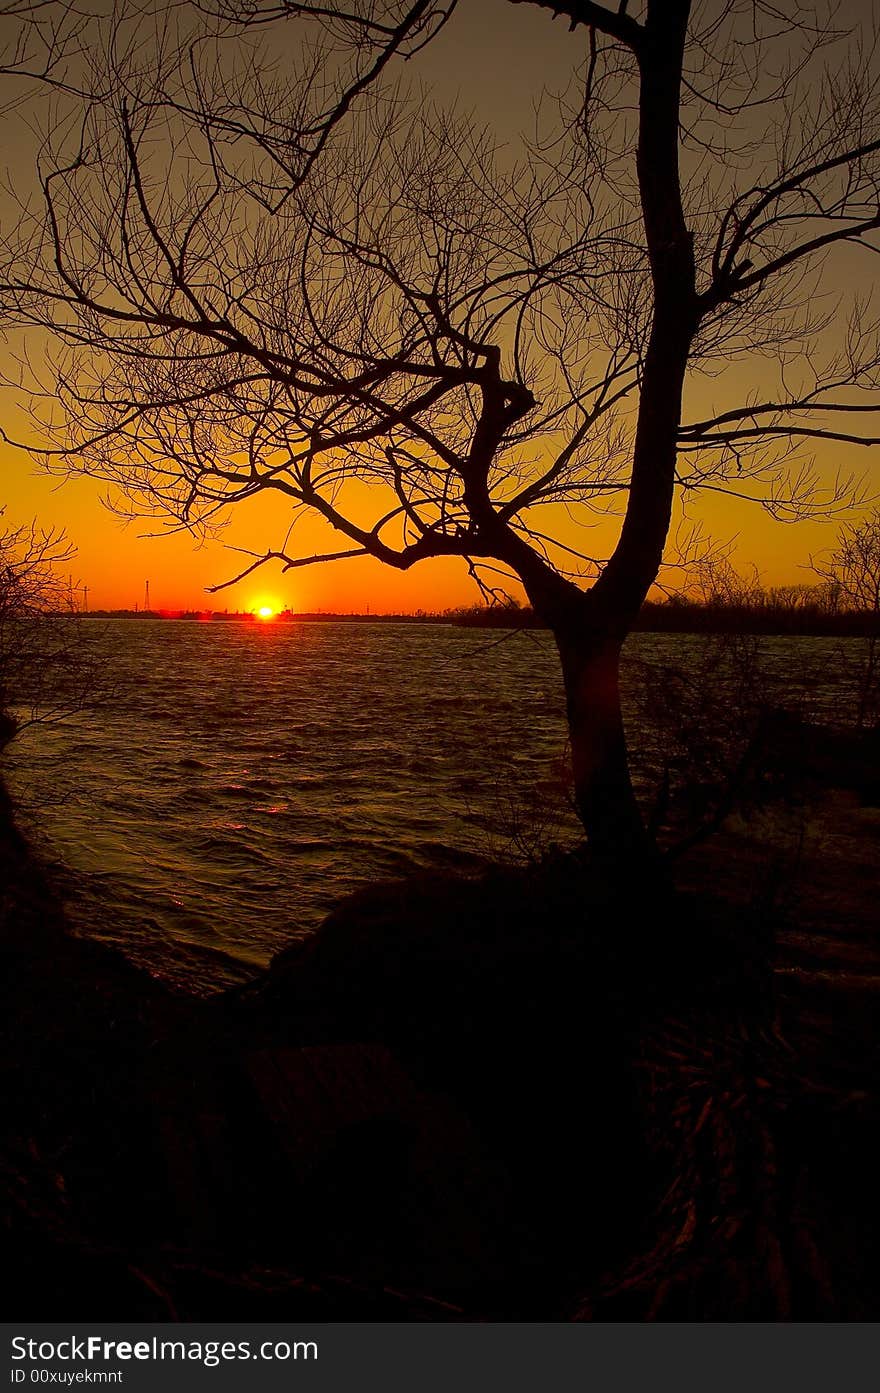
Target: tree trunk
<point x="589" y="640"/>
<point x="590" y="650"/>
<point x="590" y="628"/>
<point x="603" y="790"/>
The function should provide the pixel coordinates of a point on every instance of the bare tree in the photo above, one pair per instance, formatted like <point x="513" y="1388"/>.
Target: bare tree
<point x="264" y="271"/>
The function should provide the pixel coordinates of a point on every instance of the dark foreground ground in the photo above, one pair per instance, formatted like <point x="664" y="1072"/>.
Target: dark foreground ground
<point x="532" y="1096"/>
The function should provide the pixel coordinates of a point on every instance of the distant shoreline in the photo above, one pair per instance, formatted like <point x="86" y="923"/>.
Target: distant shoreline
<point x="677" y="618"/>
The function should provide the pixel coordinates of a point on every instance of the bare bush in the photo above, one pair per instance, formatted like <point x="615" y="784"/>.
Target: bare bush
<point x="47" y="667"/>
<point x="851" y="577"/>
<point x="716" y="714"/>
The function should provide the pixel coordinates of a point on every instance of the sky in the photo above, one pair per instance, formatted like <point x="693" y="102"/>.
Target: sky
<point x="494" y="58"/>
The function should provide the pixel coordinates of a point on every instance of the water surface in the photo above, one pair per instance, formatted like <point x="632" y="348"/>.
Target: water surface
<point x="242" y="777"/>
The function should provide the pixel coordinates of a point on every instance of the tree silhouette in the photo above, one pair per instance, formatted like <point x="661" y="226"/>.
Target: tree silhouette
<point x="267" y="271"/>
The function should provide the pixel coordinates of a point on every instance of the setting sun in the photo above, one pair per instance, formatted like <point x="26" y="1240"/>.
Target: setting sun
<point x="265" y="612"/>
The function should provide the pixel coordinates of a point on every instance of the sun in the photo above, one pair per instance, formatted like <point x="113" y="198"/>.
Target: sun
<point x="266" y="606"/>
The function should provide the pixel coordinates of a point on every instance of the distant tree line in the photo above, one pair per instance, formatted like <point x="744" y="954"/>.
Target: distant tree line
<point x="789" y="609"/>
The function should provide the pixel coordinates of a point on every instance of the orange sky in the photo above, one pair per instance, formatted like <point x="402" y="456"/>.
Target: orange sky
<point x="115" y="559"/>
<point x="495" y="56"/>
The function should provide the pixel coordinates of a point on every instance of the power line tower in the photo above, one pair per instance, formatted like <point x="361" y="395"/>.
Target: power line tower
<point x="85" y="591"/>
<point x="146" y="597"/>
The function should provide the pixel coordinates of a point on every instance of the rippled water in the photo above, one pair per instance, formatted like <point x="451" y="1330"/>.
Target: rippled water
<point x="242" y="777"/>
<point x="245" y="775"/>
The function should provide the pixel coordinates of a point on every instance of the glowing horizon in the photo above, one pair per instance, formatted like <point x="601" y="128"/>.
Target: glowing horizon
<point x="114" y="560"/>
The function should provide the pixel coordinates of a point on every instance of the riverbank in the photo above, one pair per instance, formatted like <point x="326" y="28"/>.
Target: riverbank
<point x="515" y="1097"/>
